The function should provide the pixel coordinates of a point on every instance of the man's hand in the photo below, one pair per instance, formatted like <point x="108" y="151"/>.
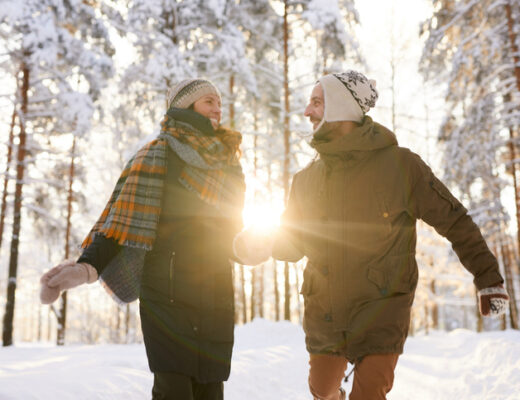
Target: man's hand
<point x="252" y="247"/>
<point x="493" y="301"/>
<point x="66" y="275"/>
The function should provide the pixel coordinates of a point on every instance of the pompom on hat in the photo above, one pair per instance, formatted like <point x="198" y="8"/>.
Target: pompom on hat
<point x="348" y="96"/>
<point x="188" y="91"/>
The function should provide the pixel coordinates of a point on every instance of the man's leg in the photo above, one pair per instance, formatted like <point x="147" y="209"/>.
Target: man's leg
<point x="325" y="375"/>
<point x="373" y="377"/>
<point x="171" y="386"/>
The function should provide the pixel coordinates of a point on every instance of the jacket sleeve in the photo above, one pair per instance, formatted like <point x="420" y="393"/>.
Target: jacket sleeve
<point x="100" y="252"/>
<point x="288" y="241"/>
<point x="432" y="202"/>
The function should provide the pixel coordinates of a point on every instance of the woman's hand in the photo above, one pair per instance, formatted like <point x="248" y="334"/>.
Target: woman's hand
<point x="66" y="275"/>
<point x="252" y="247"/>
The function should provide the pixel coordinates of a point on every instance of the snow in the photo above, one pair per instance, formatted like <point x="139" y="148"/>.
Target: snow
<point x="269" y="362"/>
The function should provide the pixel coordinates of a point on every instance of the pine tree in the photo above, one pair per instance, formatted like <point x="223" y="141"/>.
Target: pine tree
<point x="64" y="55"/>
<point x="470" y="47"/>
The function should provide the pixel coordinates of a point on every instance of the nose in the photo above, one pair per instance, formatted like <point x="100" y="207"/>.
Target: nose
<point x="307" y="112"/>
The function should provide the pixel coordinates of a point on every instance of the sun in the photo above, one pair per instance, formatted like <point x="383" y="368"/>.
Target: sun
<point x="261" y="217"/>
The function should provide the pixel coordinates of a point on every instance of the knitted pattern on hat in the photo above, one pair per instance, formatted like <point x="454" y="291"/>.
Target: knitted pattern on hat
<point x="362" y="89"/>
<point x="188" y="91"/>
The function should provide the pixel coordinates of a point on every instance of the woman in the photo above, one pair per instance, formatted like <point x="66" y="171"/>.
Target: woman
<point x="166" y="236"/>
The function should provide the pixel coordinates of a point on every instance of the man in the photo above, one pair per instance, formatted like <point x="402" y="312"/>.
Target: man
<point x="353" y="213"/>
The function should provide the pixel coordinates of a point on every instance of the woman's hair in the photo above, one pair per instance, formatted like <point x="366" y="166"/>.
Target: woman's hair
<point x="231" y="140"/>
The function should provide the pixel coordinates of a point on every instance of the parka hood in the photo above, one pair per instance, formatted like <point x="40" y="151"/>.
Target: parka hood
<point x="369" y="136"/>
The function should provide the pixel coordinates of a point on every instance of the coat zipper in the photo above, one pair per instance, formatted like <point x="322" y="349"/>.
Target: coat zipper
<point x="171" y="283"/>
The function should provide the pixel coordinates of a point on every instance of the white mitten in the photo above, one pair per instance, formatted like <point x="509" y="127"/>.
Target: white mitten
<point x="251" y="247"/>
<point x="493" y="301"/>
<point x="66" y="275"/>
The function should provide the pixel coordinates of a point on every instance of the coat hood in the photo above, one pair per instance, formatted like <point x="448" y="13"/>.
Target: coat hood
<point x="369" y="136"/>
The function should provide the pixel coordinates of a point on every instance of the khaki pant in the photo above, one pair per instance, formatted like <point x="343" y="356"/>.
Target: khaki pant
<point x="373" y="376"/>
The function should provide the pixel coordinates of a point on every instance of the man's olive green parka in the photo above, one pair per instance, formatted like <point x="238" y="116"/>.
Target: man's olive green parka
<point x="352" y="213"/>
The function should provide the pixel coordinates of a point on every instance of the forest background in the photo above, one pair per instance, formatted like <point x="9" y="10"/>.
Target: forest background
<point x="83" y="86"/>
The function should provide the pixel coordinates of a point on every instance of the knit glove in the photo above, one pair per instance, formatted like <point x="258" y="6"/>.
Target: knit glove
<point x="493" y="301"/>
<point x="65" y="276"/>
<point x="251" y="247"/>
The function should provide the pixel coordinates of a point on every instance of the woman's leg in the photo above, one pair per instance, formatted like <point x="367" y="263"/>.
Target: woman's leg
<point x="172" y="386"/>
<point x="208" y="391"/>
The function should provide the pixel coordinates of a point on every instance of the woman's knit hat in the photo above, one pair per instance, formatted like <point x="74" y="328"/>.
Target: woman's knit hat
<point x="348" y="96"/>
<point x="188" y="91"/>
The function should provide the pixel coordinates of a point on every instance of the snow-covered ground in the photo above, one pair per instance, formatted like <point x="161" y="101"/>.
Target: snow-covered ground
<point x="270" y="362"/>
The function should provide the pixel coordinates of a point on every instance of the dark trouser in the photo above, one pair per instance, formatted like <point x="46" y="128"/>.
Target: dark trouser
<point x="173" y="386"/>
<point x="373" y="376"/>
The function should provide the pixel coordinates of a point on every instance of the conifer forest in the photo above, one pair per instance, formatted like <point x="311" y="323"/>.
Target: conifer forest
<point x="84" y="84"/>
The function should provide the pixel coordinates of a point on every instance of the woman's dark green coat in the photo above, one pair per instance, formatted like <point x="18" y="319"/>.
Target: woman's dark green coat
<point x="187" y="300"/>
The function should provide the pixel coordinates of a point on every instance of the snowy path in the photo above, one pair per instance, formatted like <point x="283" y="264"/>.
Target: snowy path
<point x="269" y="362"/>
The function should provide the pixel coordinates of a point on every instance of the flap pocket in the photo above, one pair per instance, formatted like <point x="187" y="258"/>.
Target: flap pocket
<point x="394" y="274"/>
<point x="307" y="282"/>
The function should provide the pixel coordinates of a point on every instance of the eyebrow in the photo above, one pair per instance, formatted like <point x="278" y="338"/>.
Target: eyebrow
<point x="314" y="98"/>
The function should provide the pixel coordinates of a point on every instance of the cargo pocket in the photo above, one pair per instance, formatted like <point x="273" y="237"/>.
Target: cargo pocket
<point x="306" y="289"/>
<point x="394" y="274"/>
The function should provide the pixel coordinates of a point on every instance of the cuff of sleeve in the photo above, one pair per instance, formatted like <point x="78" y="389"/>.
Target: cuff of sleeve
<point x="488" y="279"/>
<point x="85" y="260"/>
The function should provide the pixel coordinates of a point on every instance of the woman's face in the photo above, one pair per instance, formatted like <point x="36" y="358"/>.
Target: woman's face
<point x="209" y="106"/>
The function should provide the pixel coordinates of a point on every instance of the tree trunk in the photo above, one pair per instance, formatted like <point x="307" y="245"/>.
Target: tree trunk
<point x="62" y="314"/>
<point x="127" y="323"/>
<point x="514" y="47"/>
<point x="40" y="322"/>
<point x="254" y="271"/>
<point x="232" y="101"/>
<point x="287" y="152"/>
<point x="435" y="307"/>
<point x="480" y="321"/>
<point x="7" y="334"/>
<point x="243" y="293"/>
<point x="117" y="332"/>
<point x="516" y="60"/>
<point x="426" y="319"/>
<point x="508" y="259"/>
<point x="10" y="146"/>
<point x="276" y="292"/>
<point x="253" y="293"/>
<point x="257" y="294"/>
<point x="298" y="301"/>
<point x="236" y="286"/>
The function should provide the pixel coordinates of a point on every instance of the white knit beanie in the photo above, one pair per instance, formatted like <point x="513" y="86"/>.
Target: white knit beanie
<point x="188" y="91"/>
<point x="348" y="96"/>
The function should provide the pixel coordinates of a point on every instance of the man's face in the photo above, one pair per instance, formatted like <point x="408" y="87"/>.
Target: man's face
<point x="316" y="106"/>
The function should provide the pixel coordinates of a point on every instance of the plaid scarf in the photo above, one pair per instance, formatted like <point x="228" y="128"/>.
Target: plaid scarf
<point x="132" y="213"/>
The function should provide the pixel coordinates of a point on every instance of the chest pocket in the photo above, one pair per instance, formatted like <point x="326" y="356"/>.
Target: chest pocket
<point x="389" y="209"/>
